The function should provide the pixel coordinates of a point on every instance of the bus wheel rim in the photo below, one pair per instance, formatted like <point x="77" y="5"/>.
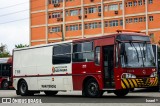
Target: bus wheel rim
<point x="93" y="88"/>
<point x="5" y="85"/>
<point x="23" y="88"/>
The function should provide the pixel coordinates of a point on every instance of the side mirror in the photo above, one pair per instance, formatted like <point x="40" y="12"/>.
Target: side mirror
<point x="122" y="49"/>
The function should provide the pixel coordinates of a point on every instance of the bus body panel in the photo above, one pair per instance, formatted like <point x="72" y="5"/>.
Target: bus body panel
<point x="83" y="70"/>
<point x="35" y="66"/>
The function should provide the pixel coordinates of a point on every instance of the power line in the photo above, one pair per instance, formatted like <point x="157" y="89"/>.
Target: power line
<point x="21" y="19"/>
<point x="16" y="5"/>
<point x="20" y="11"/>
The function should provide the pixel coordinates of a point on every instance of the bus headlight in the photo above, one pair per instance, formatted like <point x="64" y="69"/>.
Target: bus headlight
<point x="127" y="75"/>
<point x="154" y="74"/>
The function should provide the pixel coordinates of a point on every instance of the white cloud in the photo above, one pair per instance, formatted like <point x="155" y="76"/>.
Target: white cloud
<point x="17" y="32"/>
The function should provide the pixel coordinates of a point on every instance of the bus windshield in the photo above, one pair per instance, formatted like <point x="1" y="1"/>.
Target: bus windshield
<point x="137" y="55"/>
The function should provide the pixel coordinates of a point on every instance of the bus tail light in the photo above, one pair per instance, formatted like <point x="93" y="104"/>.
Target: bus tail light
<point x="154" y="74"/>
<point x="127" y="75"/>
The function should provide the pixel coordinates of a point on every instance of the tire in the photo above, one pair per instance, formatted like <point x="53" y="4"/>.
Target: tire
<point x="121" y="93"/>
<point x="23" y="89"/>
<point x="50" y="93"/>
<point x="5" y="84"/>
<point x="91" y="89"/>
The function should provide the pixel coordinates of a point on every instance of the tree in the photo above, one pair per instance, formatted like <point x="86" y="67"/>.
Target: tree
<point x="3" y="51"/>
<point x="21" y="46"/>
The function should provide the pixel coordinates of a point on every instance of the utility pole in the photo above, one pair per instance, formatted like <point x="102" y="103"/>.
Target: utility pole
<point x="63" y="39"/>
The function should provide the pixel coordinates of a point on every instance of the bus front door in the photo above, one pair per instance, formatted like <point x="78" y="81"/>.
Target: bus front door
<point x="108" y="64"/>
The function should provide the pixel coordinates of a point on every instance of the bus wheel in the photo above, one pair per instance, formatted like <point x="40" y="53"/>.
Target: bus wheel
<point x="92" y="89"/>
<point x="23" y="89"/>
<point x="5" y="84"/>
<point x="50" y="93"/>
<point x="121" y="93"/>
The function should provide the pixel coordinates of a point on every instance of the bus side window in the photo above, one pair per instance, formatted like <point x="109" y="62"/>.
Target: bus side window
<point x="97" y="55"/>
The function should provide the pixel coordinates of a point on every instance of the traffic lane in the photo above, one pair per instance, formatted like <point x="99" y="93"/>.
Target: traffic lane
<point x="76" y="97"/>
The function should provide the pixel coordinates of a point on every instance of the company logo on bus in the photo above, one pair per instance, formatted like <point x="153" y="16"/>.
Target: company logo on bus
<point x="59" y="69"/>
<point x="144" y="72"/>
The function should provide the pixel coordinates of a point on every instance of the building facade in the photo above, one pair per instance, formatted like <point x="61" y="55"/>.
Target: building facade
<point x="57" y="20"/>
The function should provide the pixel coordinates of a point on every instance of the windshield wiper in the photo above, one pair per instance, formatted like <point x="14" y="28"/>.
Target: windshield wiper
<point x="144" y="53"/>
<point x="131" y="43"/>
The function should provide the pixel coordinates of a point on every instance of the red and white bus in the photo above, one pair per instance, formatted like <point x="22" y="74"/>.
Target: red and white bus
<point x="114" y="63"/>
<point x="5" y="72"/>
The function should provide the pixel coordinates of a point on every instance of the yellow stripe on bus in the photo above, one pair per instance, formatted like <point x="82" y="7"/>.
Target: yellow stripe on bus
<point x="135" y="83"/>
<point x="152" y="84"/>
<point x="123" y="86"/>
<point x="126" y="83"/>
<point x="155" y="82"/>
<point x="132" y="86"/>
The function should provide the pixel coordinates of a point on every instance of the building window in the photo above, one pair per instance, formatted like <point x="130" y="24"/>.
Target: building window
<point x="86" y="26"/>
<point x="150" y="18"/>
<point x="144" y="19"/>
<point x="130" y="20"/>
<point x="105" y="8"/>
<point x="135" y="20"/>
<point x="113" y="7"/>
<point x="67" y="14"/>
<point x="73" y="12"/>
<point x="80" y="26"/>
<point x="73" y="27"/>
<point x="56" y="1"/>
<point x="99" y="25"/>
<point x="56" y="15"/>
<point x="126" y="20"/>
<point x="135" y="3"/>
<point x="85" y="11"/>
<point x="106" y="23"/>
<point x="140" y="19"/>
<point x="92" y="10"/>
<point x="129" y="4"/>
<point x="93" y="25"/>
<point x="120" y="6"/>
<point x="67" y="28"/>
<point x="121" y="22"/>
<point x="140" y="2"/>
<point x="99" y="9"/>
<point x="113" y="23"/>
<point x="55" y="29"/>
<point x="150" y="1"/>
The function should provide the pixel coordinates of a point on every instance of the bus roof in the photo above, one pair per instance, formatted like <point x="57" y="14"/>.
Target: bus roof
<point x="82" y="39"/>
<point x="5" y="60"/>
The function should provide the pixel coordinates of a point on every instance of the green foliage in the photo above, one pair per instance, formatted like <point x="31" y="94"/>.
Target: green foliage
<point x="4" y="54"/>
<point x="21" y="46"/>
<point x="3" y="51"/>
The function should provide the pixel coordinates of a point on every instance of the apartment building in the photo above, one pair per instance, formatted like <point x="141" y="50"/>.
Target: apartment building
<point x="57" y="20"/>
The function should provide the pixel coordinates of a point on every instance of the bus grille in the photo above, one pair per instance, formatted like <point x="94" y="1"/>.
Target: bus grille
<point x="138" y="83"/>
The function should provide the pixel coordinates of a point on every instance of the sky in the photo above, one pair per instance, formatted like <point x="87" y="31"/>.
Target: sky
<point x="17" y="32"/>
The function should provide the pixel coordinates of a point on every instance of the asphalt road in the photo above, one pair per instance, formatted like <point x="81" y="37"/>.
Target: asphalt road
<point x="75" y="97"/>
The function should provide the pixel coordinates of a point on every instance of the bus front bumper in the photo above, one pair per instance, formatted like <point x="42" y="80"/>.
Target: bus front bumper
<point x="139" y="82"/>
